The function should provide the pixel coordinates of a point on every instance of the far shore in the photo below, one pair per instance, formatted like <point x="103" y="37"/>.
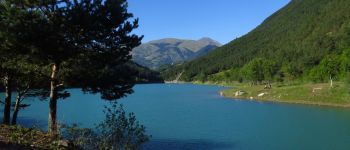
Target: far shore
<point x="301" y="94"/>
<point x="297" y="102"/>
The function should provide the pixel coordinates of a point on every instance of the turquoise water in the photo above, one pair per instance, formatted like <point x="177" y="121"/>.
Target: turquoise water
<point x="185" y="116"/>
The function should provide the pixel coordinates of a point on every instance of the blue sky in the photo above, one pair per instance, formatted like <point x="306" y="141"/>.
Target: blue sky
<point x="221" y="20"/>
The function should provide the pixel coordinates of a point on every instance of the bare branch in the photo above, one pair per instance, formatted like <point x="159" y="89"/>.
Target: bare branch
<point x="26" y="90"/>
<point x="21" y="99"/>
<point x="59" y="85"/>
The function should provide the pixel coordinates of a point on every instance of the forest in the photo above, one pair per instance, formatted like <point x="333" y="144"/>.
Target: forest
<point x="304" y="41"/>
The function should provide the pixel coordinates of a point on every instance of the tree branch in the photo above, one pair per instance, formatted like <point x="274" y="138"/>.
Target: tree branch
<point x="59" y="85"/>
<point x="22" y="94"/>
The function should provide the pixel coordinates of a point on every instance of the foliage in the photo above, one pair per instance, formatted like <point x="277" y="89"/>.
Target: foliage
<point x="347" y="81"/>
<point x="47" y="46"/>
<point x="293" y="37"/>
<point x="27" y="138"/>
<point x="84" y="138"/>
<point x="145" y="75"/>
<point x="16" y="68"/>
<point x="118" y="131"/>
<point x="344" y="59"/>
<point x="257" y="71"/>
<point x="254" y="70"/>
<point x="121" y="128"/>
<point x="329" y="68"/>
<point x="291" y="71"/>
<point x="92" y="35"/>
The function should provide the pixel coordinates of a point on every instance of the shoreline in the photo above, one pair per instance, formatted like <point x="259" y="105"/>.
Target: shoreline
<point x="299" y="102"/>
<point x="294" y="102"/>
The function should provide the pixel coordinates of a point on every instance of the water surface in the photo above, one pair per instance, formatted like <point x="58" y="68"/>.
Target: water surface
<point x="185" y="116"/>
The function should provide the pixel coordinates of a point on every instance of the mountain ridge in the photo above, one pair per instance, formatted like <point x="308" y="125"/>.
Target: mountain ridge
<point x="169" y="51"/>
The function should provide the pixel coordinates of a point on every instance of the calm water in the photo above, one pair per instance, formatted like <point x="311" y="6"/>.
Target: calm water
<point x="196" y="117"/>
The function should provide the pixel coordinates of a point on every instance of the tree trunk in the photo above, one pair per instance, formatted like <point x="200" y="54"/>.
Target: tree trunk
<point x="8" y="94"/>
<point x="330" y="78"/>
<point x="16" y="109"/>
<point x="53" y="101"/>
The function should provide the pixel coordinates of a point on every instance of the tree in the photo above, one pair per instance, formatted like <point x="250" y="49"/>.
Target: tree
<point x="260" y="69"/>
<point x="345" y="62"/>
<point x="27" y="79"/>
<point x="6" y="41"/>
<point x="291" y="71"/>
<point x="254" y="71"/>
<point x="201" y="77"/>
<point x="92" y="35"/>
<point x="270" y="70"/>
<point x="29" y="82"/>
<point x="11" y="48"/>
<point x="330" y="66"/>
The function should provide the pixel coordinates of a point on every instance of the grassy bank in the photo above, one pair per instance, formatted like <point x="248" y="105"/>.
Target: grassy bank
<point x="311" y="94"/>
<point x="16" y="137"/>
<point x="314" y="94"/>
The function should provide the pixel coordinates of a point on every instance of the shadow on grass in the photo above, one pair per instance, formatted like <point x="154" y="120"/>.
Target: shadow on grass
<point x="6" y="146"/>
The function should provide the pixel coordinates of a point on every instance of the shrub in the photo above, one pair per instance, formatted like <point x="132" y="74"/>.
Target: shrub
<point x="118" y="131"/>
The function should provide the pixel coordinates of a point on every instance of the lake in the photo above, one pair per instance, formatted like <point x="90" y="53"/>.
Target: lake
<point x="186" y="116"/>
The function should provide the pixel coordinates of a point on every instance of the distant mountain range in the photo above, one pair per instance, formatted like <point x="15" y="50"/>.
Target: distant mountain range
<point x="165" y="52"/>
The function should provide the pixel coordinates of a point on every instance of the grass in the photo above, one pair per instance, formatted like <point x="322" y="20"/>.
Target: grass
<point x="16" y="137"/>
<point x="309" y="93"/>
<point x="316" y="94"/>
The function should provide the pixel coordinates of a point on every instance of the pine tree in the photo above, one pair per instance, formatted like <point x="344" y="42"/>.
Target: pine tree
<point x="92" y="34"/>
<point x="11" y="47"/>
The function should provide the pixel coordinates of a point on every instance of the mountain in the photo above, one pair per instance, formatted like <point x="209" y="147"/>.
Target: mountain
<point x="298" y="36"/>
<point x="144" y="75"/>
<point x="170" y="51"/>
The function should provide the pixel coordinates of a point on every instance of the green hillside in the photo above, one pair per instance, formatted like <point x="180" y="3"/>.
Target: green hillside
<point x="143" y="74"/>
<point x="296" y="38"/>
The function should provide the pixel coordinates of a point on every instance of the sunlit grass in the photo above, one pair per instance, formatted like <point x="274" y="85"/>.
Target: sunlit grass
<point x="320" y="94"/>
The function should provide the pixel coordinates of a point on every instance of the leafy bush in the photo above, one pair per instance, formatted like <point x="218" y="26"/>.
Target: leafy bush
<point x="118" y="131"/>
<point x="84" y="138"/>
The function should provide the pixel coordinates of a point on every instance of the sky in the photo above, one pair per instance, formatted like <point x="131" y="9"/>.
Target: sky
<point x="221" y="20"/>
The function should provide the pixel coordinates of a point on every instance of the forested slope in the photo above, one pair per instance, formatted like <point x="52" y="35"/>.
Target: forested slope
<point x="297" y="37"/>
